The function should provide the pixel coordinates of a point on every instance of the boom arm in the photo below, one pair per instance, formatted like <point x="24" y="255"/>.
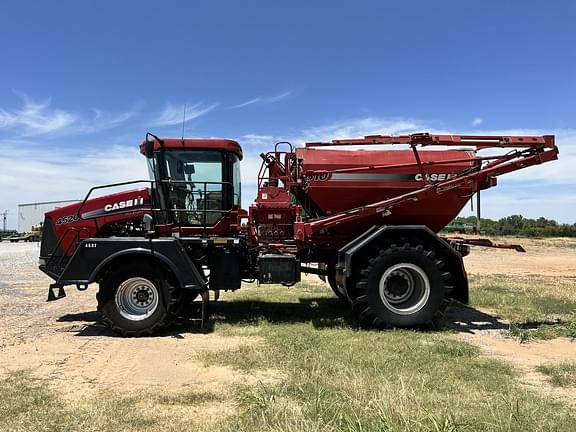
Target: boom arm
<point x="525" y="151"/>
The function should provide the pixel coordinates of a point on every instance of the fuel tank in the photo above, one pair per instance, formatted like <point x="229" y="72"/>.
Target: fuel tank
<point x="347" y="179"/>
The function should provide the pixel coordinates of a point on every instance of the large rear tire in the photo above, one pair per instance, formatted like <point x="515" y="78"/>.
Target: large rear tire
<point x="403" y="286"/>
<point x="136" y="300"/>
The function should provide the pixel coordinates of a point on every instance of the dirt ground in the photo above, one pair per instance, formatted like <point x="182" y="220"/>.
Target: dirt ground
<point x="548" y="257"/>
<point x="63" y="341"/>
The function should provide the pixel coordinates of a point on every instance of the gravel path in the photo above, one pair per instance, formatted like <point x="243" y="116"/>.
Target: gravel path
<point x="63" y="341"/>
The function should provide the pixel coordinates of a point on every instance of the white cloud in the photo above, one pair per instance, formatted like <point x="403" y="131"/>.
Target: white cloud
<point x="264" y="99"/>
<point x="174" y="114"/>
<point x="558" y="172"/>
<point x="35" y="172"/>
<point x="536" y="191"/>
<point x="529" y="201"/>
<point x="359" y="128"/>
<point x="354" y="128"/>
<point x="477" y="121"/>
<point x="35" y="118"/>
<point x="257" y="140"/>
<point x="104" y="120"/>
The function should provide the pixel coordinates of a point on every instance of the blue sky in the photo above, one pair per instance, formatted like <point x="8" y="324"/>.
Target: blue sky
<point x="81" y="83"/>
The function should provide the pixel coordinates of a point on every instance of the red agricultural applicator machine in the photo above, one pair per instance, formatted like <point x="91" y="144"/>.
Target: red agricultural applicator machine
<point x="365" y="219"/>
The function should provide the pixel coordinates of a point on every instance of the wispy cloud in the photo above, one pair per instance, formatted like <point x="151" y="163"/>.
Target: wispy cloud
<point x="102" y="120"/>
<point x="257" y="140"/>
<point x="174" y="113"/>
<point x="263" y="100"/>
<point x="33" y="118"/>
<point x="545" y="190"/>
<point x="33" y="172"/>
<point x="360" y="127"/>
<point x="477" y="121"/>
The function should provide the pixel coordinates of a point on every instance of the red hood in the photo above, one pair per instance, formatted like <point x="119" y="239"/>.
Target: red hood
<point x="89" y="218"/>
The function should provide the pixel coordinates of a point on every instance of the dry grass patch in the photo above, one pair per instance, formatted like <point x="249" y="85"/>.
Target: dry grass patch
<point x="30" y="404"/>
<point x="536" y="306"/>
<point x="560" y="374"/>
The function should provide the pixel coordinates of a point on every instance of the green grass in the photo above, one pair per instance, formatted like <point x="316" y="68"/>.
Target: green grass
<point x="335" y="377"/>
<point x="188" y="397"/>
<point x="28" y="404"/>
<point x="560" y="374"/>
<point x="330" y="375"/>
<point x="538" y="307"/>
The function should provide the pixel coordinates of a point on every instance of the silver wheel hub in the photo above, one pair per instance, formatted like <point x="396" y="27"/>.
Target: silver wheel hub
<point x="136" y="298"/>
<point x="404" y="288"/>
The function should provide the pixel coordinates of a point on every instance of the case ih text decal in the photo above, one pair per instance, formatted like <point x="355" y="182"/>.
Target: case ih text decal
<point x="117" y="207"/>
<point x="363" y="177"/>
<point x="124" y="204"/>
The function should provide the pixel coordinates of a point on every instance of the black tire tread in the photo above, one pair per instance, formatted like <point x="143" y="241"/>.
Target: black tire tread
<point x="171" y="297"/>
<point x="360" y="303"/>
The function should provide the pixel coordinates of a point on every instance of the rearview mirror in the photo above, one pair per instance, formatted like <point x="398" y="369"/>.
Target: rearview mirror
<point x="149" y="148"/>
<point x="149" y="144"/>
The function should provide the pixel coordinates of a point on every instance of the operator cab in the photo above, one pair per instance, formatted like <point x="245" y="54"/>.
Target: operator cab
<point x="196" y="182"/>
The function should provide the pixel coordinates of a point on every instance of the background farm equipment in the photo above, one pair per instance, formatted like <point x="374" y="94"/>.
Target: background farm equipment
<point x="34" y="235"/>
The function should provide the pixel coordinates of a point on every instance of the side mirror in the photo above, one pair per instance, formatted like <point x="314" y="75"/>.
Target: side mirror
<point x="189" y="169"/>
<point x="149" y="144"/>
<point x="149" y="148"/>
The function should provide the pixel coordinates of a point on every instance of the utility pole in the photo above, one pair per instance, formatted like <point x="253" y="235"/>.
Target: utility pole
<point x="4" y="217"/>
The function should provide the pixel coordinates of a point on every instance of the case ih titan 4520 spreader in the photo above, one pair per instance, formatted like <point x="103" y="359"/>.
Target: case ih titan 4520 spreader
<point x="364" y="219"/>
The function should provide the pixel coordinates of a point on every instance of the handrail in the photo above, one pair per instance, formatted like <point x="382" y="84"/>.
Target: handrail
<point x="93" y="188"/>
<point x="65" y="253"/>
<point x="426" y="139"/>
<point x="158" y="210"/>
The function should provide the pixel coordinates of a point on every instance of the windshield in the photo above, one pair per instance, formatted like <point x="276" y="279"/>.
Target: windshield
<point x="196" y="189"/>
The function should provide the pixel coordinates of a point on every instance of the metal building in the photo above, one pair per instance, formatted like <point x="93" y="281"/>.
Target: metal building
<point x="33" y="213"/>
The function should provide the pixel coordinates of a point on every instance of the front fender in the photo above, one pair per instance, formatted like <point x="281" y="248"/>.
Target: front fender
<point x="92" y="256"/>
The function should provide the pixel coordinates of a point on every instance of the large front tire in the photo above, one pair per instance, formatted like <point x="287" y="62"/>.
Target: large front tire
<point x="137" y="301"/>
<point x="403" y="286"/>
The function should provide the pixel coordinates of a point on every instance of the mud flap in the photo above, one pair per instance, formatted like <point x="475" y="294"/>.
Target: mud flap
<point x="52" y="296"/>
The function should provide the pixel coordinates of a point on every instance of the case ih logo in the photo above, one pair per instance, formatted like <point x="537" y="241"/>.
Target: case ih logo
<point x="434" y="177"/>
<point x="380" y="177"/>
<point x="117" y="206"/>
<point x="124" y="204"/>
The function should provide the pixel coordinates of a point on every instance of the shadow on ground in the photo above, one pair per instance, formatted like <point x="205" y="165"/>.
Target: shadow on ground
<point x="321" y="312"/>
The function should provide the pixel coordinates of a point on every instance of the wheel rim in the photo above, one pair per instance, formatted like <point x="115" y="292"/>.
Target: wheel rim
<point x="404" y="288"/>
<point x="136" y="299"/>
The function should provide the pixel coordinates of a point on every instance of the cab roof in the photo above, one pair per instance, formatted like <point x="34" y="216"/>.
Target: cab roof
<point x="197" y="143"/>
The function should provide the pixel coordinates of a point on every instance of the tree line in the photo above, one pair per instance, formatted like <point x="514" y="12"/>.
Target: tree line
<point x="517" y="225"/>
